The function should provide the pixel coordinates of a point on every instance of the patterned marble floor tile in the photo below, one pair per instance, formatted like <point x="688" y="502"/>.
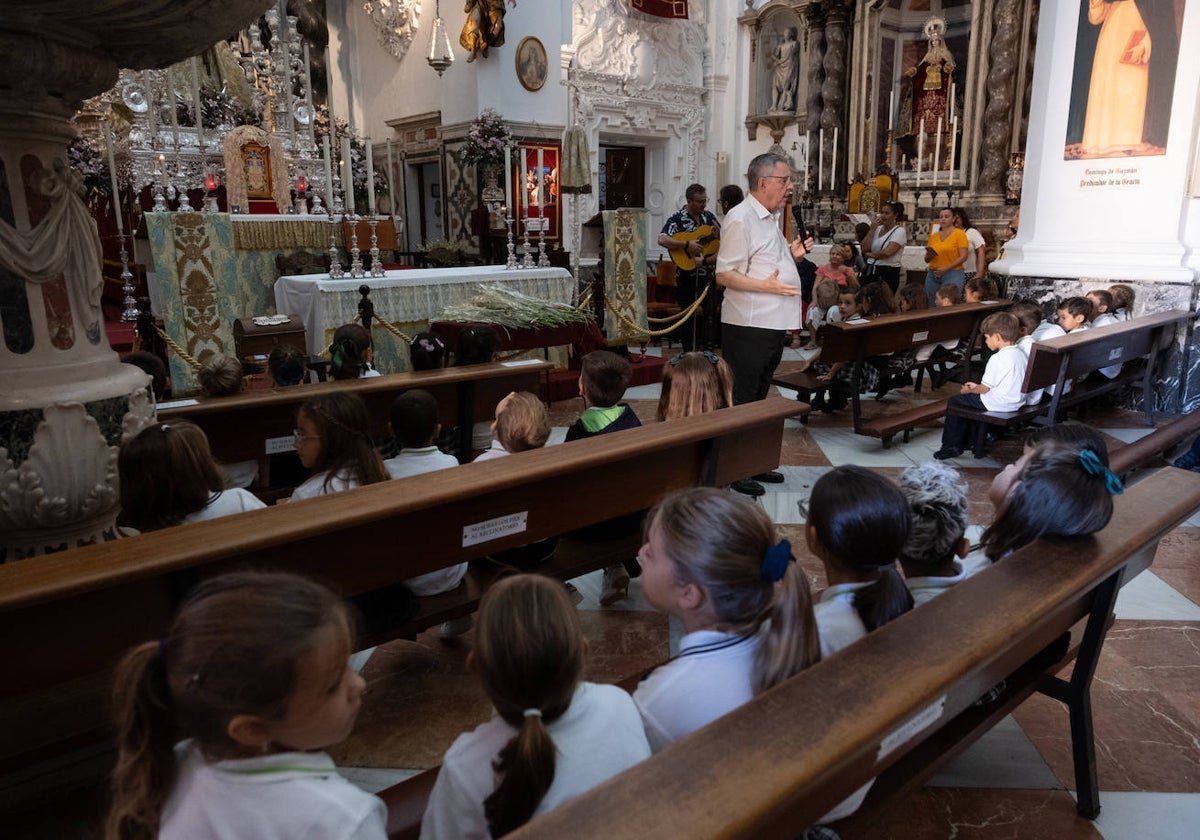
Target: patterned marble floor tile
<point x="1144" y="710"/>
<point x="1002" y="758"/>
<point x="1148" y="597"/>
<point x="799" y="447"/>
<point x="975" y="814"/>
<point x="1176" y="564"/>
<point x="644" y="392"/>
<point x="843" y="446"/>
<point x="1148" y="816"/>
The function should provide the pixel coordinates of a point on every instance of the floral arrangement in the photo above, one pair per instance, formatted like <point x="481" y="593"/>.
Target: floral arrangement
<point x="358" y="169"/>
<point x="486" y="140"/>
<point x="86" y="158"/>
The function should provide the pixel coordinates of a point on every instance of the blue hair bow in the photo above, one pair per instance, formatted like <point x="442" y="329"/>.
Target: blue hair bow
<point x="1093" y="466"/>
<point x="775" y="561"/>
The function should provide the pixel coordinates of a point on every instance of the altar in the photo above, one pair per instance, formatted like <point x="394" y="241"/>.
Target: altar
<point x="409" y="299"/>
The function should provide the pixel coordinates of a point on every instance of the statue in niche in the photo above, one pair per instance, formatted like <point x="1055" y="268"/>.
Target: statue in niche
<point x="785" y="62"/>
<point x="484" y="27"/>
<point x="927" y="97"/>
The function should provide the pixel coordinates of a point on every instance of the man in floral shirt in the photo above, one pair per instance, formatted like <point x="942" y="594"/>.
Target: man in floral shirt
<point x="690" y="218"/>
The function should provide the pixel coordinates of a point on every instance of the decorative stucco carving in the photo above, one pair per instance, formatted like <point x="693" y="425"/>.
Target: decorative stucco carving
<point x="395" y="23"/>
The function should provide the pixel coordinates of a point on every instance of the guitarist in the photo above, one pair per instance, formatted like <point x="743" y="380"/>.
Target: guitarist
<point x="688" y="220"/>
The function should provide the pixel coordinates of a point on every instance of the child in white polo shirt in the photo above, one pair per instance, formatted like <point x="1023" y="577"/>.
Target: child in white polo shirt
<point x="999" y="388"/>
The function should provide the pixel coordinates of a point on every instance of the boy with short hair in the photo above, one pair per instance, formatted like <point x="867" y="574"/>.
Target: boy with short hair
<point x="948" y="294"/>
<point x="414" y="424"/>
<point x="1074" y="314"/>
<point x="603" y="378"/>
<point x="999" y="388"/>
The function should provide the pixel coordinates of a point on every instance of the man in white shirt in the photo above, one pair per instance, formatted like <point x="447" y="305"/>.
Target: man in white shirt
<point x="757" y="268"/>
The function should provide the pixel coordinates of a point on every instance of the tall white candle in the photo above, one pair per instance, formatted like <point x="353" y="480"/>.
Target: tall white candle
<point x="392" y="180"/>
<point x="348" y="174"/>
<point x="833" y="163"/>
<point x="370" y="178"/>
<point x="953" y="148"/>
<point x="328" y="173"/>
<point x="541" y="180"/>
<point x="198" y="101"/>
<point x="171" y="104"/>
<point x="308" y="94"/>
<point x="892" y="110"/>
<point x="937" y="151"/>
<point x="920" y="150"/>
<point x="524" y="182"/>
<point x="112" y="174"/>
<point x="329" y="93"/>
<point x="821" y="160"/>
<point x="162" y="169"/>
<point x="950" y="104"/>
<point x="508" y="205"/>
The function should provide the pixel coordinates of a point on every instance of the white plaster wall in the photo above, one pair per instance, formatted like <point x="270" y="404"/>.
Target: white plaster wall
<point x="1135" y="233"/>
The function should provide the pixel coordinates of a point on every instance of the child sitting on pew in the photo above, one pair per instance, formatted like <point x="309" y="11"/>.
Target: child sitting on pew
<point x="1123" y="297"/>
<point x="694" y="383"/>
<point x="352" y="353"/>
<point x="168" y="477"/>
<point x="521" y="423"/>
<point x="477" y="346"/>
<point x="857" y="524"/>
<point x="979" y="289"/>
<point x="603" y="378"/>
<point x="712" y="560"/>
<point x="999" y="388"/>
<point x="1074" y="313"/>
<point x="426" y="352"/>
<point x="220" y="724"/>
<point x="221" y="376"/>
<point x="333" y="438"/>
<point x="287" y="366"/>
<point x="824" y="310"/>
<point x="552" y="737"/>
<point x="1102" y="307"/>
<point x="1060" y="487"/>
<point x="937" y="542"/>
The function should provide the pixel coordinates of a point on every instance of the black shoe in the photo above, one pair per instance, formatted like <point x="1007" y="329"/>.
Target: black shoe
<point x="771" y="477"/>
<point x="748" y="487"/>
<point x="947" y="452"/>
<point x="885" y="385"/>
<point x="836" y="403"/>
<point x="818" y="401"/>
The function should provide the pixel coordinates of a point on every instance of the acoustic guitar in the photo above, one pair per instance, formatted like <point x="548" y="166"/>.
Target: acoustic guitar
<point x="709" y="243"/>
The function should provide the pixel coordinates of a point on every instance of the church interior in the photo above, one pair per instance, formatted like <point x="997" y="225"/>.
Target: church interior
<point x="202" y="181"/>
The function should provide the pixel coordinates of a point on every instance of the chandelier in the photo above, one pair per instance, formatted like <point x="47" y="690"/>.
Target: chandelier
<point x="395" y="22"/>
<point x="439" y="40"/>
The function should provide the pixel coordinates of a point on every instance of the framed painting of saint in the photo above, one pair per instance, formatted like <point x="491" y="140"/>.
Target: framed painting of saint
<point x="535" y="186"/>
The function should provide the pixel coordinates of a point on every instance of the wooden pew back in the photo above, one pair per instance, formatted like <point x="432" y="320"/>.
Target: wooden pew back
<point x="66" y="617"/>
<point x="784" y="759"/>
<point x="239" y="427"/>
<point x="844" y="341"/>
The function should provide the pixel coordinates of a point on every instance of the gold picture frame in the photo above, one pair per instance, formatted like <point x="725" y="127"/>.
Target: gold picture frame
<point x="532" y="64"/>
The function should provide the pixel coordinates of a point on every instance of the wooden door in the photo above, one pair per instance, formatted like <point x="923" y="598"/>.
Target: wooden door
<point x="624" y="177"/>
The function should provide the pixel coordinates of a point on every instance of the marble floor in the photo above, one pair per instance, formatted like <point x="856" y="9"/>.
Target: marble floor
<point x="1016" y="782"/>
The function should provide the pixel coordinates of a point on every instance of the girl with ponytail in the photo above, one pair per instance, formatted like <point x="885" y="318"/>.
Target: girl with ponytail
<point x="857" y="524"/>
<point x="553" y="736"/>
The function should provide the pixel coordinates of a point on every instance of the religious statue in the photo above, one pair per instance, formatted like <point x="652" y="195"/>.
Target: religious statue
<point x="785" y="62"/>
<point x="929" y="94"/>
<point x="484" y="26"/>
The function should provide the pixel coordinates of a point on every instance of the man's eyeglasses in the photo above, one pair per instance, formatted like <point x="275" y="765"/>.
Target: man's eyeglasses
<point x="787" y="178"/>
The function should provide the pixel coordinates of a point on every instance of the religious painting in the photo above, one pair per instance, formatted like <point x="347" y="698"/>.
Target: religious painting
<point x="256" y="164"/>
<point x="536" y="189"/>
<point x="532" y="64"/>
<point x="1126" y="55"/>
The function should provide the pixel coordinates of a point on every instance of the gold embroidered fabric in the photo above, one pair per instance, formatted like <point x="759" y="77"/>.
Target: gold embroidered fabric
<point x="280" y="234"/>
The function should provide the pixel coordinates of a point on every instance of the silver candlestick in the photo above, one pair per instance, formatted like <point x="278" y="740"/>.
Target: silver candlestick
<point x="376" y="264"/>
<point x="185" y="205"/>
<point x="526" y="250"/>
<point x="318" y="209"/>
<point x="543" y="261"/>
<point x="131" y="311"/>
<point x="335" y="261"/>
<point x="335" y="193"/>
<point x="512" y="251"/>
<point x="160" y="199"/>
<point x="356" y="266"/>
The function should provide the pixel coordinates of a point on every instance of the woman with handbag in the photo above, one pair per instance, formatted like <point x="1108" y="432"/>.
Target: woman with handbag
<point x="883" y="244"/>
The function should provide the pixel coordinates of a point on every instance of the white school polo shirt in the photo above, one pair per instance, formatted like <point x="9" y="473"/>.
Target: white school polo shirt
<point x="1004" y="376"/>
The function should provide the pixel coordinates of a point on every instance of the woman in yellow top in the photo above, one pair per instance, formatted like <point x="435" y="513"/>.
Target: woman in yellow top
<point x="946" y="252"/>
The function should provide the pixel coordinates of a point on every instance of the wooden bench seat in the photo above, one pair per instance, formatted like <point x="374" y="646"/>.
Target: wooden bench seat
<point x="65" y="618"/>
<point x="1069" y="358"/>
<point x="242" y="427"/>
<point x="898" y="704"/>
<point x="1134" y="455"/>
<point x="853" y="344"/>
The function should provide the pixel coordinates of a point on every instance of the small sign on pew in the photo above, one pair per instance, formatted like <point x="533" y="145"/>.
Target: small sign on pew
<point x="177" y="404"/>
<point x="920" y="336"/>
<point x="522" y="362"/>
<point x="911" y="728"/>
<point x="278" y="445"/>
<point x="494" y="529"/>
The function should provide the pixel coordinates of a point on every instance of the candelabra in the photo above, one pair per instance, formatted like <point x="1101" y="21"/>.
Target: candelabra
<point x="376" y="265"/>
<point x="160" y="198"/>
<point x="526" y="250"/>
<point x="512" y="251"/>
<point x="916" y="204"/>
<point x="318" y="209"/>
<point x="335" y="261"/>
<point x="181" y="176"/>
<point x="356" y="266"/>
<point x="130" y="314"/>
<point x="543" y="261"/>
<point x="335" y="193"/>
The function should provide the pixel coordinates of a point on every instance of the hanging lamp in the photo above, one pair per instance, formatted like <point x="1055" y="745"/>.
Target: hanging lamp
<point x="440" y="39"/>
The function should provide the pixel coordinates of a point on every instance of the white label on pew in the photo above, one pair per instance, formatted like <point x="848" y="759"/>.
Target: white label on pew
<point x="920" y="336"/>
<point x="494" y="529"/>
<point x="521" y="362"/>
<point x="911" y="728"/>
<point x="858" y="321"/>
<point x="281" y="444"/>
<point x="177" y="403"/>
<point x="1116" y="353"/>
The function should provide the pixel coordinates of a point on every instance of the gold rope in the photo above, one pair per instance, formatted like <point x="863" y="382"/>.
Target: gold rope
<point x="390" y="327"/>
<point x="682" y="316"/>
<point x="179" y="351"/>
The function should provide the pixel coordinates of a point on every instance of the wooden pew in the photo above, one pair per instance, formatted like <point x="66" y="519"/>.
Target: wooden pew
<point x="65" y="618"/>
<point x="1135" y="455"/>
<point x="241" y="427"/>
<point x="1069" y="358"/>
<point x="854" y="343"/>
<point x="899" y="704"/>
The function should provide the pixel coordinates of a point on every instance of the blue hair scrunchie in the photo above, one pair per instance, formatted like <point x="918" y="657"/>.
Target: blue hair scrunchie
<point x="1093" y="466"/>
<point x="775" y="561"/>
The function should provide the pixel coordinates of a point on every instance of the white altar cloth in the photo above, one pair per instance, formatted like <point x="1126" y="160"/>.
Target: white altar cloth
<point x="411" y="297"/>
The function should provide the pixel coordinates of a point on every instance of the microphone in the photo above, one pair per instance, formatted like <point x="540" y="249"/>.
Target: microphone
<point x="801" y="228"/>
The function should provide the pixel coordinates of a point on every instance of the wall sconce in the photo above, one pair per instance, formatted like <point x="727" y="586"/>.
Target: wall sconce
<point x="440" y="40"/>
